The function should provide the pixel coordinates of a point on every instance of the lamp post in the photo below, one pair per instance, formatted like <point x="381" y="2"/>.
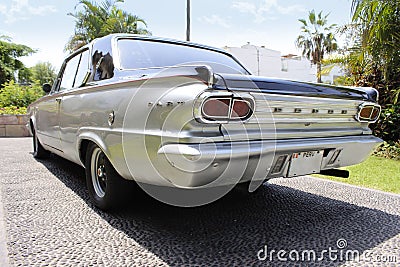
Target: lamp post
<point x="187" y="20"/>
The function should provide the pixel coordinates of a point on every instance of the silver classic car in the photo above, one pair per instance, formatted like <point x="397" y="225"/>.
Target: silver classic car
<point x="183" y="120"/>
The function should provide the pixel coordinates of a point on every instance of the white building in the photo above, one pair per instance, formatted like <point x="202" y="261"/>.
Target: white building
<point x="262" y="61"/>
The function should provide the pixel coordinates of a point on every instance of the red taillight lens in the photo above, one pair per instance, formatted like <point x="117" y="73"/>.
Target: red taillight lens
<point x="365" y="113"/>
<point x="240" y="109"/>
<point x="368" y="112"/>
<point x="215" y="108"/>
<point x="226" y="108"/>
<point x="375" y="114"/>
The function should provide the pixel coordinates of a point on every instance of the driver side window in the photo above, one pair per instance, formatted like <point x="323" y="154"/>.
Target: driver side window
<point x="68" y="77"/>
<point x="75" y="71"/>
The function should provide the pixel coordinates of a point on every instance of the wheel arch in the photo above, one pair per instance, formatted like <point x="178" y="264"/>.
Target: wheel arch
<point x="92" y="136"/>
<point x="31" y="125"/>
<point x="83" y="143"/>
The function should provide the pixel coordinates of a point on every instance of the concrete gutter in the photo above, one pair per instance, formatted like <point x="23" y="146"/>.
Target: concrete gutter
<point x="356" y="186"/>
<point x="3" y="235"/>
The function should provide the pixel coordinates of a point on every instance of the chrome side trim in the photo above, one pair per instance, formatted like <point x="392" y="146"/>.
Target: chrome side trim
<point x="285" y="108"/>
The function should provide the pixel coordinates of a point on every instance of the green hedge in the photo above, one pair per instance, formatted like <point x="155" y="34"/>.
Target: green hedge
<point x="15" y="98"/>
<point x="13" y="110"/>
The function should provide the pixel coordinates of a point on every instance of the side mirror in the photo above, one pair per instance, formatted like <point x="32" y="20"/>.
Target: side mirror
<point x="47" y="88"/>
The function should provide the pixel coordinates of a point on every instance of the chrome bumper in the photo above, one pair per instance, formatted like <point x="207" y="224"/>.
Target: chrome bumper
<point x="193" y="165"/>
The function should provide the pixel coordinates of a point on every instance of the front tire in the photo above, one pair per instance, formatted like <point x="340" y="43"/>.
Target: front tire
<point x="105" y="185"/>
<point x="38" y="150"/>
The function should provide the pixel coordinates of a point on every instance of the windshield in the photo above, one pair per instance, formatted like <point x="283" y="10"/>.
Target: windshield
<point x="137" y="54"/>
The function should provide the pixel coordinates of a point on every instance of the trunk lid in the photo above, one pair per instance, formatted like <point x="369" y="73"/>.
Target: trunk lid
<point x="250" y="83"/>
<point x="289" y="109"/>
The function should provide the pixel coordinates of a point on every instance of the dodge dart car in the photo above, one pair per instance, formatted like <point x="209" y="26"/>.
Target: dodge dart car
<point x="176" y="114"/>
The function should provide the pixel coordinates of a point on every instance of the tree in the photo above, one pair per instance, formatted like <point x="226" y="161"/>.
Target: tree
<point x="43" y="72"/>
<point x="316" y="39"/>
<point x="374" y="58"/>
<point x="24" y="76"/>
<point x="9" y="58"/>
<point x="378" y="39"/>
<point x="98" y="20"/>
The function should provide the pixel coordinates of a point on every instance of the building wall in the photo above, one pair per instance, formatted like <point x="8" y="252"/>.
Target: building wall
<point x="262" y="61"/>
<point x="299" y="69"/>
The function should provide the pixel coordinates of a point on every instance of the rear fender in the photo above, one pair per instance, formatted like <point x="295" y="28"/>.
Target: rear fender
<point x="92" y="137"/>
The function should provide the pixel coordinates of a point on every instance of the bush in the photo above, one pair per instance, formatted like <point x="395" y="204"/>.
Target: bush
<point x="14" y="96"/>
<point x="13" y="110"/>
<point x="388" y="126"/>
<point x="388" y="150"/>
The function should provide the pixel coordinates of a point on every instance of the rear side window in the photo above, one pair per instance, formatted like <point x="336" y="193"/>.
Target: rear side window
<point x="102" y="60"/>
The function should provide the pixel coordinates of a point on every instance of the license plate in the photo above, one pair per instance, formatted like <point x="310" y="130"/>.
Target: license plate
<point x="303" y="163"/>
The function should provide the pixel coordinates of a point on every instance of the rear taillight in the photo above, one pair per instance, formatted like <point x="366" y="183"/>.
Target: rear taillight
<point x="240" y="109"/>
<point x="368" y="112"/>
<point x="216" y="108"/>
<point x="226" y="108"/>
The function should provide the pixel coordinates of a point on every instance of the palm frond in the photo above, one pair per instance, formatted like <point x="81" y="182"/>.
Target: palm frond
<point x="96" y="20"/>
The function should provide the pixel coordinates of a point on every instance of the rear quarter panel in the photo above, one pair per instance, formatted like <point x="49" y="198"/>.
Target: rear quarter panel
<point x="140" y="108"/>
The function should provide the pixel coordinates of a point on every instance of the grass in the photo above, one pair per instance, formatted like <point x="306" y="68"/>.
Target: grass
<point x="377" y="173"/>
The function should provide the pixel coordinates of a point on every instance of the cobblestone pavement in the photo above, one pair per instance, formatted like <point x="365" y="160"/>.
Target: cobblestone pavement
<point x="49" y="221"/>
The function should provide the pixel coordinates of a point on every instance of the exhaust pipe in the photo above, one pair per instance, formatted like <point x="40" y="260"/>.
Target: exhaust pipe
<point x="336" y="173"/>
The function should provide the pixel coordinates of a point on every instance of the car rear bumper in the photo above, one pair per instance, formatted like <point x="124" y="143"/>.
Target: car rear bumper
<point x="194" y="165"/>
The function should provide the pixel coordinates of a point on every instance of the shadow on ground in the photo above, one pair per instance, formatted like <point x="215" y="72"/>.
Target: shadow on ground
<point x="233" y="230"/>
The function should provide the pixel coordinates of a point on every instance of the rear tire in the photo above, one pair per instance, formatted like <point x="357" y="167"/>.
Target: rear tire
<point x="38" y="150"/>
<point x="106" y="187"/>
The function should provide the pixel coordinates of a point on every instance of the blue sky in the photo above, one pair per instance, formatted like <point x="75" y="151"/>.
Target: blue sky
<point x="45" y="25"/>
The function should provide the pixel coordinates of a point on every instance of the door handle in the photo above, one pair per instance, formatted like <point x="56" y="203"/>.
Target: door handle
<point x="58" y="99"/>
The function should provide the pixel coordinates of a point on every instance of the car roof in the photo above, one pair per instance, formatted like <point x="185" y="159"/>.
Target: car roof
<point x="110" y="37"/>
<point x="159" y="39"/>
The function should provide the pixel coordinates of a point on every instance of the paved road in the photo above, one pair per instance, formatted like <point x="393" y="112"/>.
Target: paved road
<point x="50" y="221"/>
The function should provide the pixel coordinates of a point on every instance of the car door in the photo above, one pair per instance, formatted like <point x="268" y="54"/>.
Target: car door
<point x="47" y="121"/>
<point x="49" y="109"/>
<point x="72" y="107"/>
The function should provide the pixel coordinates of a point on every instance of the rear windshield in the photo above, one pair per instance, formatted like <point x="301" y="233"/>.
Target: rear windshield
<point x="137" y="54"/>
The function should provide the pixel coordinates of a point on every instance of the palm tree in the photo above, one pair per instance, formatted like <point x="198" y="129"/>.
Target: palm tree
<point x="378" y="39"/>
<point x="98" y="20"/>
<point x="121" y="21"/>
<point x="379" y="23"/>
<point x="316" y="39"/>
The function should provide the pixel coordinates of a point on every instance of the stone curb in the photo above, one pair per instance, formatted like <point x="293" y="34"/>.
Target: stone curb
<point x="356" y="186"/>
<point x="14" y="126"/>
